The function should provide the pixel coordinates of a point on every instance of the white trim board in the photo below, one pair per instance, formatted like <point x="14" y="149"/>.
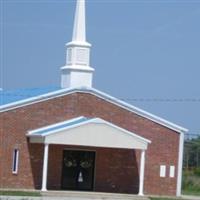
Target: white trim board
<point x="104" y="96"/>
<point x="180" y="165"/>
<point x="93" y="132"/>
<point x="47" y="129"/>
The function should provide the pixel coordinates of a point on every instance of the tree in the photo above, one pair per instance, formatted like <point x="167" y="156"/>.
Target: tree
<point x="192" y="153"/>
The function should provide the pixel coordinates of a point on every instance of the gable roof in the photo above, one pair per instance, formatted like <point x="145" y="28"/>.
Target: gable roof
<point x="62" y="92"/>
<point x="88" y="132"/>
<point x="47" y="130"/>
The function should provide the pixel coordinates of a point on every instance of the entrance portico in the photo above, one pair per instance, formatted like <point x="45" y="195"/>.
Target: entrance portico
<point x="93" y="132"/>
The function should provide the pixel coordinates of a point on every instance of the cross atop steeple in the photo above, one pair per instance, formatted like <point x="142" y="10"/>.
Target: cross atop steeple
<point x="77" y="71"/>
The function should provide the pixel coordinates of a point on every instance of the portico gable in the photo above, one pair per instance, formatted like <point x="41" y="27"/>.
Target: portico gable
<point x="84" y="131"/>
<point x="92" y="132"/>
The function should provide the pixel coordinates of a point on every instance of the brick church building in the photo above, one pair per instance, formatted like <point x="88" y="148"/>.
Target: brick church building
<point x="75" y="137"/>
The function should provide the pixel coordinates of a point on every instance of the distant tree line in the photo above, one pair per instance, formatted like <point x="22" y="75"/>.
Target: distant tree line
<point x="192" y="153"/>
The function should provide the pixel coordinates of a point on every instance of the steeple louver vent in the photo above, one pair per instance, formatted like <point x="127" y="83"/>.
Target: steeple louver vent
<point x="77" y="71"/>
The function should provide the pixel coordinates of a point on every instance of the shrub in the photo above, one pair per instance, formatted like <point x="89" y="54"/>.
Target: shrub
<point x="191" y="181"/>
<point x="197" y="171"/>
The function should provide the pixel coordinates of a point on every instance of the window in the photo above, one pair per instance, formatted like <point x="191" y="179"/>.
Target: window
<point x="162" y="171"/>
<point x="172" y="171"/>
<point x="15" y="161"/>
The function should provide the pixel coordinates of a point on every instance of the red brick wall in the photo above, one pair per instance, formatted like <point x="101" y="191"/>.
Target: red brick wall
<point x="15" y="124"/>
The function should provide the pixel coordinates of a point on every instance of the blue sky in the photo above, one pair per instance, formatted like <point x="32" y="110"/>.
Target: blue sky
<point x="143" y="51"/>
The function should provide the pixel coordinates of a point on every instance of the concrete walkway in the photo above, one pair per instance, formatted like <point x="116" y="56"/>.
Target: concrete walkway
<point x="93" y="195"/>
<point x="57" y="198"/>
<point x="67" y="195"/>
<point x="69" y="198"/>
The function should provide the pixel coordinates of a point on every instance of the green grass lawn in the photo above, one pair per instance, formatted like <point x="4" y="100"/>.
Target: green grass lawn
<point x="191" y="192"/>
<point x="20" y="193"/>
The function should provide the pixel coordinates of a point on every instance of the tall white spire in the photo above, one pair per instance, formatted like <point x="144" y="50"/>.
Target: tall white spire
<point x="77" y="71"/>
<point x="79" y="33"/>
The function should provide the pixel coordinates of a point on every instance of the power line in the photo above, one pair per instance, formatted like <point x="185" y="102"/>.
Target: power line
<point x="190" y="136"/>
<point x="193" y="134"/>
<point x="6" y="94"/>
<point x="162" y="99"/>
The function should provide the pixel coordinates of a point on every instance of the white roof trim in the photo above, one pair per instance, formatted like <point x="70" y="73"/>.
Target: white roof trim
<point x="53" y="125"/>
<point x="99" y="120"/>
<point x="93" y="120"/>
<point x="106" y="97"/>
<point x="93" y="132"/>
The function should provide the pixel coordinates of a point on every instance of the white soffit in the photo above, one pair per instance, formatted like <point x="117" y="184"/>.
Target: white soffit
<point x="88" y="132"/>
<point x="102" y="95"/>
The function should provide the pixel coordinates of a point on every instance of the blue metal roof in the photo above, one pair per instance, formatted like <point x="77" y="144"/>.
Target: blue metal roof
<point x="11" y="96"/>
<point x="59" y="126"/>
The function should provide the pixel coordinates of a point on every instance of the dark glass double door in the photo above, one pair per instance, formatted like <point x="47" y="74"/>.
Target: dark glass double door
<point x="78" y="170"/>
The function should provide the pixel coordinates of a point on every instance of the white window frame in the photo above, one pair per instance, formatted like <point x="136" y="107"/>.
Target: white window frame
<point x="15" y="161"/>
<point x="162" y="171"/>
<point x="172" y="171"/>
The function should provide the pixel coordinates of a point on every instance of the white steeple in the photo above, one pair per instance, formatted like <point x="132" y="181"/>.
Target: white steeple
<point x="77" y="71"/>
<point x="79" y="22"/>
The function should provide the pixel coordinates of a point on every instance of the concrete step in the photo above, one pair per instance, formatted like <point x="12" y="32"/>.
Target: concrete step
<point x="75" y="195"/>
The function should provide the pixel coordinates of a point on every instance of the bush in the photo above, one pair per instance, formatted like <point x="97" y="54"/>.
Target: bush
<point x="191" y="181"/>
<point x="197" y="172"/>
